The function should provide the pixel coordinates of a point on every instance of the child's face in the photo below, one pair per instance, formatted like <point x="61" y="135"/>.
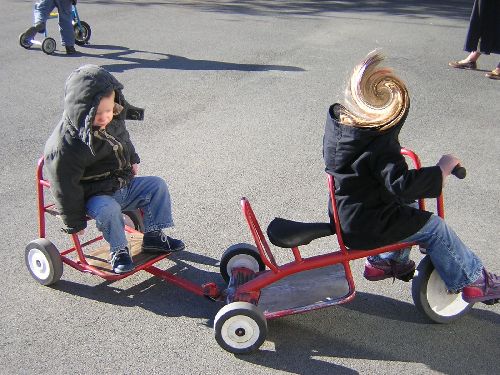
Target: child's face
<point x="104" y="113"/>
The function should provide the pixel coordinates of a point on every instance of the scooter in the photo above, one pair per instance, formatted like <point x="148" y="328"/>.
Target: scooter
<point x="48" y="45"/>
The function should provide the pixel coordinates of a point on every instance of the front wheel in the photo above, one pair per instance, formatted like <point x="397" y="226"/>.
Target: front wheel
<point x="23" y="42"/>
<point x="240" y="327"/>
<point x="432" y="298"/>
<point x="82" y="33"/>
<point x="43" y="261"/>
<point x="241" y="255"/>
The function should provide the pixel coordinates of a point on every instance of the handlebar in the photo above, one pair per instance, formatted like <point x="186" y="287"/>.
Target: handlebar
<point x="459" y="172"/>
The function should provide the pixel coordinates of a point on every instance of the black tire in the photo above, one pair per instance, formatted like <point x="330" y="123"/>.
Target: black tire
<point x="23" y="42"/>
<point x="49" y="45"/>
<point x="240" y="255"/>
<point x="134" y="220"/>
<point x="43" y="261"/>
<point x="432" y="298"/>
<point x="240" y="328"/>
<point x="83" y="33"/>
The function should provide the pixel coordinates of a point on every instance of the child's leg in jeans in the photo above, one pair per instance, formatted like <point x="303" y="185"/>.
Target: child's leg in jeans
<point x="149" y="193"/>
<point x="65" y="22"/>
<point x="40" y="15"/>
<point x="457" y="265"/>
<point x="108" y="215"/>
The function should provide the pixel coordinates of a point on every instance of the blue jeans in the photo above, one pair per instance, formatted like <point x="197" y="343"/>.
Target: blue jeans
<point x="42" y="12"/>
<point x="149" y="193"/>
<point x="457" y="265"/>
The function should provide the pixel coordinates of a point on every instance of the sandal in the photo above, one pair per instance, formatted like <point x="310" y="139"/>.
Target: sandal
<point x="494" y="74"/>
<point x="470" y="65"/>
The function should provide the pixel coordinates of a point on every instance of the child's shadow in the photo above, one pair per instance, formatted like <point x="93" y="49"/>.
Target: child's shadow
<point x="133" y="59"/>
<point x="154" y="294"/>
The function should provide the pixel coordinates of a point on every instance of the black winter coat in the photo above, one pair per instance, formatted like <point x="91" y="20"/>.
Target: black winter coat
<point x="373" y="184"/>
<point x="81" y="161"/>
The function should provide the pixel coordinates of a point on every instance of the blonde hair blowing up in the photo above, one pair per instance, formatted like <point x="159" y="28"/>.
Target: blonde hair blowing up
<point x="375" y="97"/>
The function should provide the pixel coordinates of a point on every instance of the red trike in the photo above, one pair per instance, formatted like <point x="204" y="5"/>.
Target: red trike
<point x="260" y="289"/>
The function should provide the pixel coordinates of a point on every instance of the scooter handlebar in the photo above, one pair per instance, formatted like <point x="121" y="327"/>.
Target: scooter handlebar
<point x="459" y="172"/>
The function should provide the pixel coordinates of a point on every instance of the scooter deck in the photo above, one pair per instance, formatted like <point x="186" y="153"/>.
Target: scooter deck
<point x="303" y="291"/>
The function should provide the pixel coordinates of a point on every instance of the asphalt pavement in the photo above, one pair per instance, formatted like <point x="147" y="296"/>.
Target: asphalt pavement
<point x="236" y="94"/>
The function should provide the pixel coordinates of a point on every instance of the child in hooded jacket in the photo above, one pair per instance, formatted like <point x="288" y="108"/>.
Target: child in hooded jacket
<point x="374" y="188"/>
<point x="92" y="168"/>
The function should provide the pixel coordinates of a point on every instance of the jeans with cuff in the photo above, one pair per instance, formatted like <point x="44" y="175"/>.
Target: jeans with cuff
<point x="149" y="193"/>
<point x="457" y="265"/>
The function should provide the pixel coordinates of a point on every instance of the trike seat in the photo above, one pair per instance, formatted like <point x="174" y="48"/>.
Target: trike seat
<point x="288" y="233"/>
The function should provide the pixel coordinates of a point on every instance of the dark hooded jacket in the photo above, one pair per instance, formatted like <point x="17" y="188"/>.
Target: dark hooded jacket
<point x="82" y="161"/>
<point x="373" y="184"/>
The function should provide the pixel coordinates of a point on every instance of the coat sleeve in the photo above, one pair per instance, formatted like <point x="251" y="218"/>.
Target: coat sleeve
<point x="409" y="184"/>
<point x="126" y="114"/>
<point x="65" y="170"/>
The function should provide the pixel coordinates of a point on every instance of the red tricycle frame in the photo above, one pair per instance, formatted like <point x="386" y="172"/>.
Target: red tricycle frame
<point x="80" y="263"/>
<point x="250" y="290"/>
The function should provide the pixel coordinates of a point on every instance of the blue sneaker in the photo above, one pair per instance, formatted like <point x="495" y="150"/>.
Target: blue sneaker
<point x="121" y="262"/>
<point x="158" y="242"/>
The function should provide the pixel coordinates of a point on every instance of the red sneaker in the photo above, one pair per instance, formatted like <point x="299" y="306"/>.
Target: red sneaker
<point x="485" y="289"/>
<point x="384" y="269"/>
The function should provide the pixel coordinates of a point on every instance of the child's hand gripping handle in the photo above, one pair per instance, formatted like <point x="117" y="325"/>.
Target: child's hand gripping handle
<point x="459" y="172"/>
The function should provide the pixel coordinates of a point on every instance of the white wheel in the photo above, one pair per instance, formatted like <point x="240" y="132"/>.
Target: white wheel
<point x="43" y="261"/>
<point x="241" y="255"/>
<point x="432" y="298"/>
<point x="240" y="327"/>
<point x="49" y="45"/>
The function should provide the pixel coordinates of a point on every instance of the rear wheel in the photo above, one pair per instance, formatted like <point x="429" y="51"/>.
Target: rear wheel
<point x="241" y="255"/>
<point x="432" y="298"/>
<point x="134" y="220"/>
<point x="49" y="45"/>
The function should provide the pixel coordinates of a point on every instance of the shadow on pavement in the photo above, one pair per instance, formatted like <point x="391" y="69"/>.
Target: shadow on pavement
<point x="454" y="9"/>
<point x="370" y="328"/>
<point x="376" y="328"/>
<point x="136" y="59"/>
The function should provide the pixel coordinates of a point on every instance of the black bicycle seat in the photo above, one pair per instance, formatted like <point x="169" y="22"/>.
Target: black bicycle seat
<point x="287" y="233"/>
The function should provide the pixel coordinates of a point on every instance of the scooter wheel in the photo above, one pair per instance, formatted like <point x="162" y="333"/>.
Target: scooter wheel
<point x="23" y="42"/>
<point x="82" y="33"/>
<point x="49" y="45"/>
<point x="240" y="255"/>
<point x="240" y="328"/>
<point x="432" y="298"/>
<point x="43" y="261"/>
